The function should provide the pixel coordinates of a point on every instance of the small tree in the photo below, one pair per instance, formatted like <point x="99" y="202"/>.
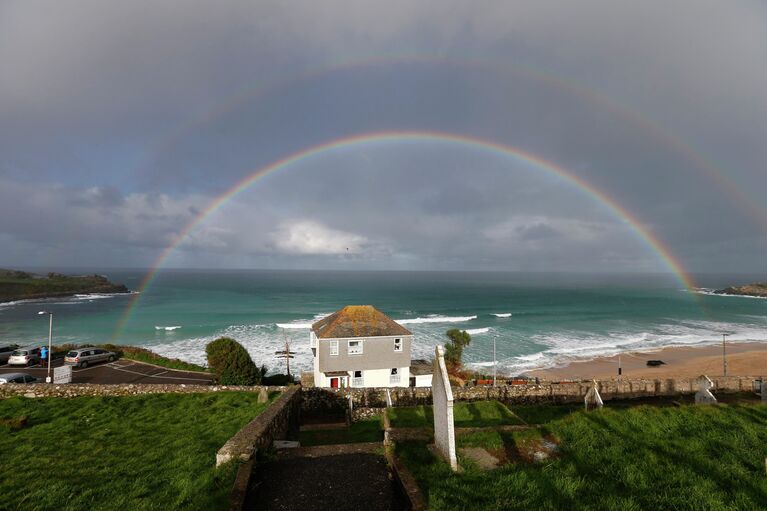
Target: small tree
<point x="459" y="339"/>
<point x="231" y="363"/>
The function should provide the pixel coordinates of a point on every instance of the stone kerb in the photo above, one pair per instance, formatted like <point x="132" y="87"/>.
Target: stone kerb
<point x="442" y="396"/>
<point x="70" y="390"/>
<point x="277" y="422"/>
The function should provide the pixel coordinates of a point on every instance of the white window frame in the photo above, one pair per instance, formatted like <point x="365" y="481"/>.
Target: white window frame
<point x="358" y="350"/>
<point x="358" y="381"/>
<point x="398" y="345"/>
<point x="394" y="377"/>
<point x="333" y="348"/>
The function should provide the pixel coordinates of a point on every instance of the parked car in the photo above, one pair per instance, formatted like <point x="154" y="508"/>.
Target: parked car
<point x="5" y="352"/>
<point x="17" y="378"/>
<point x="83" y="357"/>
<point x="25" y="356"/>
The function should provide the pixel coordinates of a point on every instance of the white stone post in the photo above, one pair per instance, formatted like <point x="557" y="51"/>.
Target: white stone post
<point x="442" y="398"/>
<point x="704" y="395"/>
<point x="593" y="400"/>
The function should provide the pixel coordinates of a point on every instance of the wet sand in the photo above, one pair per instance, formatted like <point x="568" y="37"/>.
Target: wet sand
<point x="743" y="359"/>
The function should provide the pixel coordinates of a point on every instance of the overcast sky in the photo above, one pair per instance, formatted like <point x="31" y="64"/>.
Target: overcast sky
<point x="121" y="121"/>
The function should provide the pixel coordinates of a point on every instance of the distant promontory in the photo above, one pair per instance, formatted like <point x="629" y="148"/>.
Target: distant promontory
<point x="20" y="285"/>
<point x="755" y="289"/>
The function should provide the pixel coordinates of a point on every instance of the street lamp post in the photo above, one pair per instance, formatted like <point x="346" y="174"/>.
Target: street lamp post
<point x="724" y="353"/>
<point x="50" y="338"/>
<point x="495" y="363"/>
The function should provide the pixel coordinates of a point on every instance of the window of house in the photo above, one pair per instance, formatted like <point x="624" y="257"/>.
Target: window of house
<point x="394" y="376"/>
<point x="397" y="344"/>
<point x="355" y="348"/>
<point x="357" y="381"/>
<point x="334" y="348"/>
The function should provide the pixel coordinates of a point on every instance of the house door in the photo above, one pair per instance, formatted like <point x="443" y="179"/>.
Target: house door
<point x="334" y="383"/>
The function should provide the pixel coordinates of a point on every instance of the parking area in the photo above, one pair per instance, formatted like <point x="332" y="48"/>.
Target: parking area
<point x="119" y="371"/>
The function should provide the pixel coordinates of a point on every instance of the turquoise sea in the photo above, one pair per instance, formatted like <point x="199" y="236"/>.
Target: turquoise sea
<point x="537" y="320"/>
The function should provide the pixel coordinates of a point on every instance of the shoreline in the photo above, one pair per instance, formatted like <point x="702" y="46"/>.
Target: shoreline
<point x="744" y="358"/>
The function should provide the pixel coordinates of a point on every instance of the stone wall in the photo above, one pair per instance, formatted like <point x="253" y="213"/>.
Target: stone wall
<point x="92" y="389"/>
<point x="317" y="399"/>
<point x="278" y="422"/>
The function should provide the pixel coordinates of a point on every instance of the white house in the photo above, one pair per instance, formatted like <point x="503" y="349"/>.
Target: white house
<point x="360" y="346"/>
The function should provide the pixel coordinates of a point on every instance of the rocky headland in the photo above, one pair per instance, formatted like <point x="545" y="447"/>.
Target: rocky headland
<point x="755" y="289"/>
<point x="19" y="285"/>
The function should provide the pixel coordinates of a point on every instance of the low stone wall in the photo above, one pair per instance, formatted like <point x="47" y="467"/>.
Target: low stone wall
<point x="316" y="400"/>
<point x="277" y="422"/>
<point x="128" y="389"/>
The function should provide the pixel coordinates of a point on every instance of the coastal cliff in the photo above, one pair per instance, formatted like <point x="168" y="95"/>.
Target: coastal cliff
<point x="755" y="289"/>
<point x="19" y="285"/>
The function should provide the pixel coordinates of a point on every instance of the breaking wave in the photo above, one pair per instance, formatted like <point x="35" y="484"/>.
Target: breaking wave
<point x="435" y="319"/>
<point x="167" y="328"/>
<point x="503" y="315"/>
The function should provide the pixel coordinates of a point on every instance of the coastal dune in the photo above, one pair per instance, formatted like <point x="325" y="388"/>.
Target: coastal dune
<point x="743" y="359"/>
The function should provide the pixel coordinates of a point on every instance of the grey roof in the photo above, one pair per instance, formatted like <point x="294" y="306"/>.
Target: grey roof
<point x="358" y="321"/>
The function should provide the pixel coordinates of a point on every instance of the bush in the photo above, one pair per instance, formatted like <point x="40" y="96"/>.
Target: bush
<point x="459" y="339"/>
<point x="231" y="363"/>
<point x="278" y="380"/>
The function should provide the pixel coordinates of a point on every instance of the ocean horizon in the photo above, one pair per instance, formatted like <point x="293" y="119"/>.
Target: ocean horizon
<point x="536" y="319"/>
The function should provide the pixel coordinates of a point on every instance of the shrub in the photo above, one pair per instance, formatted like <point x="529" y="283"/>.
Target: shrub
<point x="231" y="363"/>
<point x="459" y="339"/>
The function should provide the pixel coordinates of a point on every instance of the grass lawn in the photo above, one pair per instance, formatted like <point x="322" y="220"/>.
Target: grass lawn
<point x="466" y="415"/>
<point x="680" y="458"/>
<point x="128" y="453"/>
<point x="370" y="430"/>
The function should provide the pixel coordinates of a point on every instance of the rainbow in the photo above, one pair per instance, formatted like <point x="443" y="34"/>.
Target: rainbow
<point x="739" y="198"/>
<point x="663" y="252"/>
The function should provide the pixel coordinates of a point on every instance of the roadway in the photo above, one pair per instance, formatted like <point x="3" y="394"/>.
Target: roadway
<point x="119" y="371"/>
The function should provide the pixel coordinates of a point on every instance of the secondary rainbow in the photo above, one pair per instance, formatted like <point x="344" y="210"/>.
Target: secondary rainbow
<point x="663" y="252"/>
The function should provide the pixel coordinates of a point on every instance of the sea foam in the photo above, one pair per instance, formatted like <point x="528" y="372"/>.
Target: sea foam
<point x="435" y="319"/>
<point x="503" y="315"/>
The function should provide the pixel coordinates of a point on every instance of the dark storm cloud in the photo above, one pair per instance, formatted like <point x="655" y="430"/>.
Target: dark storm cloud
<point x="119" y="122"/>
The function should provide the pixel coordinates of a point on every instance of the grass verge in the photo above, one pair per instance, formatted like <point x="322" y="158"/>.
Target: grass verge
<point x="681" y="458"/>
<point x="147" y="452"/>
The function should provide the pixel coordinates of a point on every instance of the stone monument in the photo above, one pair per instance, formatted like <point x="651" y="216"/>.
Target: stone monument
<point x="704" y="395"/>
<point x="442" y="397"/>
<point x="593" y="400"/>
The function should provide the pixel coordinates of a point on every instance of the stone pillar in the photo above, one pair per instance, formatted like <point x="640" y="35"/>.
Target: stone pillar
<point x="704" y="395"/>
<point x="764" y="395"/>
<point x="593" y="400"/>
<point x="442" y="396"/>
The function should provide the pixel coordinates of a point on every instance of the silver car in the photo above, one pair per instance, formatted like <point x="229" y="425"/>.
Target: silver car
<point x="5" y="352"/>
<point x="17" y="378"/>
<point x="25" y="356"/>
<point x="83" y="357"/>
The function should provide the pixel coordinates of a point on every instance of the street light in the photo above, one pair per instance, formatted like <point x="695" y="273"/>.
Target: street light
<point x="495" y="363"/>
<point x="50" y="337"/>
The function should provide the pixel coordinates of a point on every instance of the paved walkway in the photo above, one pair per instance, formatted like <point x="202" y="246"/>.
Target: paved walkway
<point x="338" y="482"/>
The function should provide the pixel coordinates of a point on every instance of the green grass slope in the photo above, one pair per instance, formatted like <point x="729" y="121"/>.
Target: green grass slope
<point x="153" y="452"/>
<point x="688" y="458"/>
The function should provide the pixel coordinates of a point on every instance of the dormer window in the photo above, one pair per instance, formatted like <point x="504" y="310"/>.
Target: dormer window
<point x="397" y="344"/>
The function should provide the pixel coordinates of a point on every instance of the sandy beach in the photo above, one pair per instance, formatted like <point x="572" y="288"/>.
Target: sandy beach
<point x="743" y="359"/>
